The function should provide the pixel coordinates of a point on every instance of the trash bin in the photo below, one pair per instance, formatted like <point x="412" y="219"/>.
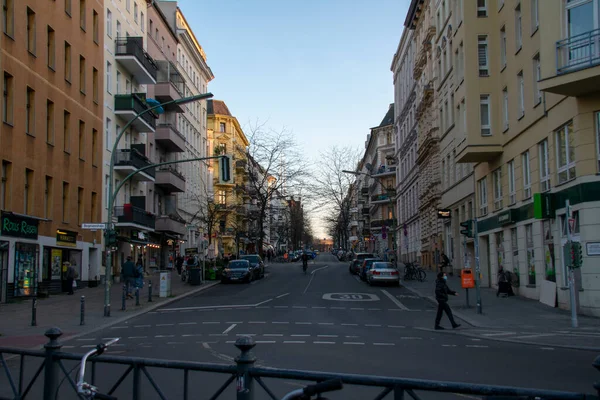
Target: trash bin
<point x="195" y="276"/>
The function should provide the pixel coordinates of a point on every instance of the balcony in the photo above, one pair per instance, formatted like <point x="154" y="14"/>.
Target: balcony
<point x="128" y="106"/>
<point x="364" y="191"/>
<point x="130" y="53"/>
<point x="172" y="224"/>
<point x="169" y="179"/>
<point x="168" y="136"/>
<point x="130" y="160"/>
<point x="378" y="223"/>
<point x="129" y="216"/>
<point x="476" y="150"/>
<point x="169" y="85"/>
<point x="382" y="198"/>
<point x="385" y="170"/>
<point x="241" y="165"/>
<point x="578" y="66"/>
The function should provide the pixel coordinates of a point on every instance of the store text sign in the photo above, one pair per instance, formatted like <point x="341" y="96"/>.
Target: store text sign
<point x="17" y="226"/>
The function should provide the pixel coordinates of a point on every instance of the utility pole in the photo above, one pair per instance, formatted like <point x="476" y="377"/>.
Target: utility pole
<point x="574" y="322"/>
<point x="477" y="269"/>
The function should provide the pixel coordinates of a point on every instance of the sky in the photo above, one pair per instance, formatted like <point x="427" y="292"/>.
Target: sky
<point x="319" y="68"/>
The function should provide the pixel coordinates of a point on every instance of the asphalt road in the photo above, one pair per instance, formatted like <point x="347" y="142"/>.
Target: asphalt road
<point x="329" y="321"/>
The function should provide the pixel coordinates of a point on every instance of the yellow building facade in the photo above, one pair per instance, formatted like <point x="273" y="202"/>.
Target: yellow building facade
<point x="226" y="136"/>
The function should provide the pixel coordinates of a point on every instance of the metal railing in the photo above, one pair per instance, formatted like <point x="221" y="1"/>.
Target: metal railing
<point x="578" y="52"/>
<point x="135" y="215"/>
<point x="248" y="377"/>
<point x="133" y="158"/>
<point x="168" y="72"/>
<point x="135" y="103"/>
<point x="134" y="46"/>
<point x="174" y="170"/>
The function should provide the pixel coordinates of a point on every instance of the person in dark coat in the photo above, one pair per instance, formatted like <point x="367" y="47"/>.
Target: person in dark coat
<point x="179" y="264"/>
<point x="441" y="295"/>
<point x="128" y="272"/>
<point x="71" y="276"/>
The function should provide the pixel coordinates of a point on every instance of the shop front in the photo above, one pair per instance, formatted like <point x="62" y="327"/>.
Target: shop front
<point x="55" y="261"/>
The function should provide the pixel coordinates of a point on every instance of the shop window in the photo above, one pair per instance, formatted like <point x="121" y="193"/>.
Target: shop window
<point x="25" y="269"/>
<point x="565" y="226"/>
<point x="500" y="249"/>
<point x="549" y="261"/>
<point x="530" y="254"/>
<point x="514" y="244"/>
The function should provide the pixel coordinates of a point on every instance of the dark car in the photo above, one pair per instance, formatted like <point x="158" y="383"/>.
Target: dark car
<point x="237" y="271"/>
<point x="257" y="265"/>
<point x="366" y="265"/>
<point x="356" y="263"/>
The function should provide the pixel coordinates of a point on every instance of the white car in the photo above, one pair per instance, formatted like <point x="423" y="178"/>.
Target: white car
<point x="383" y="272"/>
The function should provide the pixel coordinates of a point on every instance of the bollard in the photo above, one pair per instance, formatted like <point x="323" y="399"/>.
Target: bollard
<point x="149" y="291"/>
<point x="34" y="311"/>
<point x="82" y="313"/>
<point x="244" y="362"/>
<point x="137" y="296"/>
<point x="124" y="298"/>
<point x="51" y="365"/>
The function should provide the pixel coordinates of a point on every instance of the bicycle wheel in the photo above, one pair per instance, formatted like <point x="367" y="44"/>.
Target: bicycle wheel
<point x="422" y="275"/>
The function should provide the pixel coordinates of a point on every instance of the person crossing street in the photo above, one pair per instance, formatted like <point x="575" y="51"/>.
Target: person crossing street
<point x="441" y="295"/>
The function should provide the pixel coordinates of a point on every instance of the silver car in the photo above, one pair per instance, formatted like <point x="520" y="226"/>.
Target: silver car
<point x="383" y="272"/>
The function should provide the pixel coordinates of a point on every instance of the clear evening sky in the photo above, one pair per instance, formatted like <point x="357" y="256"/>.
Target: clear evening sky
<point x="320" y="68"/>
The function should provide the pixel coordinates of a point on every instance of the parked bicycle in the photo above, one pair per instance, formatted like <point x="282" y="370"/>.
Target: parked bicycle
<point x="84" y="389"/>
<point x="414" y="272"/>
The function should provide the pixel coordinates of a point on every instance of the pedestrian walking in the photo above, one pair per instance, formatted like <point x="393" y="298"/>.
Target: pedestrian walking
<point x="128" y="273"/>
<point x="179" y="264"/>
<point x="504" y="283"/>
<point x="139" y="274"/>
<point x="71" y="275"/>
<point x="441" y="295"/>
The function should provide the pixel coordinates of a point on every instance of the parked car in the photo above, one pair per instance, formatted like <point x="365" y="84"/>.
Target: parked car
<point x="237" y="271"/>
<point x="356" y="263"/>
<point x="366" y="265"/>
<point x="383" y="272"/>
<point x="257" y="265"/>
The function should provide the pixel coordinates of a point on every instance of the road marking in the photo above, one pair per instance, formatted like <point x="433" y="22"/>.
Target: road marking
<point x="262" y="302"/>
<point x="256" y="322"/>
<point x="476" y="346"/>
<point x="191" y="335"/>
<point x="208" y="308"/>
<point x="448" y="345"/>
<point x="174" y="342"/>
<point x="279" y="322"/>
<point x="187" y="323"/>
<point x="280" y="306"/>
<point x="165" y="324"/>
<point x="410" y="338"/>
<point x="86" y="346"/>
<point x="312" y="276"/>
<point x="230" y="342"/>
<point x="187" y="311"/>
<point x="354" y="343"/>
<point x="245" y="334"/>
<point x="350" y="297"/>
<point x="374" y="309"/>
<point x="349" y="324"/>
<point x="373" y="325"/>
<point x="210" y="322"/>
<point x="499" y="334"/>
<point x="229" y="329"/>
<point x="337" y="308"/>
<point x="294" y="341"/>
<point x="318" y="342"/>
<point x="396" y="326"/>
<point x="303" y="323"/>
<point x="136" y="337"/>
<point x="281" y="295"/>
<point x="119" y="327"/>
<point x="533" y="336"/>
<point x="384" y="344"/>
<point x="318" y="269"/>
<point x="327" y="335"/>
<point x="395" y="300"/>
<point x="476" y="340"/>
<point x="357" y="308"/>
<point x="299" y="307"/>
<point x="273" y="334"/>
<point x="82" y="340"/>
<point x="325" y="323"/>
<point x="264" y="307"/>
<point x="351" y="337"/>
<point x="541" y="348"/>
<point x="217" y="334"/>
<point x="264" y="341"/>
<point x="300" y="335"/>
<point x="319" y="308"/>
<point x="234" y="322"/>
<point x="163" y="336"/>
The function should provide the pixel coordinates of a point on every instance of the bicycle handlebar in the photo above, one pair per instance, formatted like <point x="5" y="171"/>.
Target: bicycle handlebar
<point x="82" y="387"/>
<point x="104" y="396"/>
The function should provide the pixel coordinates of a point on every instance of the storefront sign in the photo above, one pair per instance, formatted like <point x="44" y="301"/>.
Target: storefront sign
<point x="445" y="214"/>
<point x="190" y="251"/>
<point x="543" y="205"/>
<point x="17" y="226"/>
<point x="592" y="248"/>
<point x="56" y="255"/>
<point x="66" y="238"/>
<point x="506" y="217"/>
<point x="138" y="235"/>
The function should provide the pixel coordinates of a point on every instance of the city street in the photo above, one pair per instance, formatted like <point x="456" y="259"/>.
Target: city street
<point x="327" y="320"/>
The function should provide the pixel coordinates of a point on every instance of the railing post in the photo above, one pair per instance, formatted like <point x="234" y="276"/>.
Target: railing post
<point x="244" y="362"/>
<point x="398" y="393"/>
<point x="137" y="380"/>
<point x="51" y="367"/>
<point x="124" y="298"/>
<point x="34" y="311"/>
<point x="149" y="290"/>
<point x="82" y="313"/>
<point x="137" y="296"/>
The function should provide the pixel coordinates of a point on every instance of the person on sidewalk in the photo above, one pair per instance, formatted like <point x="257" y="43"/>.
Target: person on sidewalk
<point x="504" y="283"/>
<point x="71" y="275"/>
<point x="139" y="275"/>
<point x="128" y="272"/>
<point x="445" y="262"/>
<point x="179" y="264"/>
<point x="441" y="295"/>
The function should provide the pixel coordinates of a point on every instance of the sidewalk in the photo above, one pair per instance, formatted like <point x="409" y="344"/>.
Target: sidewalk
<point x="513" y="319"/>
<point x="63" y="311"/>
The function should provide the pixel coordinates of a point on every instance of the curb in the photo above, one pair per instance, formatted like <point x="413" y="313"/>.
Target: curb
<point x="529" y="343"/>
<point x="129" y="316"/>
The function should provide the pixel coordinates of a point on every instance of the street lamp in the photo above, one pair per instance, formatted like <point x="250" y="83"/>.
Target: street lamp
<point x="112" y="196"/>
<point x="393" y="208"/>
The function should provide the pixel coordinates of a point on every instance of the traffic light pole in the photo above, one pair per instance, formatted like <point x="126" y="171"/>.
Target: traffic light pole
<point x="477" y="269"/>
<point x="574" y="322"/>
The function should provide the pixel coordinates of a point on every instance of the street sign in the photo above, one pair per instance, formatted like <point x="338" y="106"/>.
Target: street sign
<point x="571" y="225"/>
<point x="93" y="226"/>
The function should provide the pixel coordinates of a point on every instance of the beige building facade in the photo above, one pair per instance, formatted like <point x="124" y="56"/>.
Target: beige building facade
<point x="531" y="96"/>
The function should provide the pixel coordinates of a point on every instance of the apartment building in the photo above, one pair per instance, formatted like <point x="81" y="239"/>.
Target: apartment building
<point x="191" y="63"/>
<point x="50" y="138"/>
<point x="235" y="198"/>
<point x="408" y="230"/>
<point x="533" y="134"/>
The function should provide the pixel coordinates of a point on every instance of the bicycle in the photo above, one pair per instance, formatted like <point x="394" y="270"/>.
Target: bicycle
<point x="307" y="392"/>
<point x="413" y="271"/>
<point x="84" y="389"/>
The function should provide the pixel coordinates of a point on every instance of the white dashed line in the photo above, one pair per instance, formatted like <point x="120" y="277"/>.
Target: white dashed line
<point x="163" y="336"/>
<point x="210" y="322"/>
<point x="137" y="337"/>
<point x="256" y="322"/>
<point x="229" y="329"/>
<point x="357" y="308"/>
<point x="245" y="334"/>
<point x="317" y="342"/>
<point x="351" y="337"/>
<point x="354" y="343"/>
<point x="191" y="335"/>
<point x="294" y="341"/>
<point x="338" y="308"/>
<point x="384" y="344"/>
<point x="475" y="340"/>
<point x="85" y="346"/>
<point x="303" y="323"/>
<point x="119" y="327"/>
<point x="83" y="340"/>
<point x="165" y="324"/>
<point x="410" y="338"/>
<point x="476" y="346"/>
<point x="373" y="325"/>
<point x="448" y="345"/>
<point x="187" y="323"/>
<point x="541" y="348"/>
<point x="265" y="341"/>
<point x="325" y="323"/>
<point x="327" y="335"/>
<point x="533" y="336"/>
<point x="300" y="335"/>
<point x="279" y="322"/>
<point x="319" y="308"/>
<point x="499" y="334"/>
<point x="273" y="334"/>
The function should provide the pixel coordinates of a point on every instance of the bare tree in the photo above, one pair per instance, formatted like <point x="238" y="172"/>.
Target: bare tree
<point x="275" y="164"/>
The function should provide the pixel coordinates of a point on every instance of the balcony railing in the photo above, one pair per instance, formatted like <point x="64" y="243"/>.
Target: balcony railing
<point x="135" y="215"/>
<point x="578" y="52"/>
<point x="135" y="102"/>
<point x="168" y="72"/>
<point x="382" y="197"/>
<point x="381" y="222"/>
<point x="364" y="190"/>
<point x="135" y="159"/>
<point x="385" y="170"/>
<point x="134" y="46"/>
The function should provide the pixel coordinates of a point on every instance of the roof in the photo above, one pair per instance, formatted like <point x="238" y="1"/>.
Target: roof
<point x="389" y="117"/>
<point x="413" y="13"/>
<point x="217" y="107"/>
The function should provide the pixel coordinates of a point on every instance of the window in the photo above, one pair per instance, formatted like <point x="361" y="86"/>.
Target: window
<point x="150" y="26"/>
<point x="505" y="109"/>
<point x="135" y="13"/>
<point x="118" y="81"/>
<point x="108" y="23"/>
<point x="95" y="85"/>
<point x="8" y="98"/>
<point x="68" y="7"/>
<point x="530" y="254"/>
<point x="514" y="244"/>
<point x="497" y="182"/>
<point x="518" y="28"/>
<point x="49" y="121"/>
<point x="565" y="153"/>
<point x="537" y="76"/>
<point x="108" y="77"/>
<point x="500" y="4"/>
<point x="30" y="112"/>
<point x="95" y="27"/>
<point x="51" y="47"/>
<point x="128" y="5"/>
<point x="65" y="202"/>
<point x="442" y="120"/>
<point x="512" y="191"/>
<point x="30" y="31"/>
<point x="142" y="21"/>
<point x="598" y="139"/>
<point x="82" y="14"/>
<point x="66" y="131"/>
<point x="106" y="192"/>
<point x="94" y="147"/>
<point x="156" y="34"/>
<point x="485" y="115"/>
<point x="222" y="127"/>
<point x="67" y="62"/>
<point x="503" y="47"/>
<point x="28" y="192"/>
<point x="482" y="187"/>
<point x="521" y="87"/>
<point x="48" y="197"/>
<point x="451" y="109"/>
<point x="482" y="51"/>
<point x="222" y="197"/>
<point x="107" y="134"/>
<point x="8" y="17"/>
<point x="535" y="15"/>
<point x="481" y="8"/>
<point x="82" y="74"/>
<point x="94" y="207"/>
<point x="5" y="186"/>
<point x="79" y="205"/>
<point x="526" y="175"/>
<point x="544" y="166"/>
<point x="81" y="140"/>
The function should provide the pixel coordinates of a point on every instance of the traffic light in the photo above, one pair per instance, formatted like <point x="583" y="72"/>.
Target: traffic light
<point x="111" y="238"/>
<point x="468" y="228"/>
<point x="225" y="168"/>
<point x="577" y="255"/>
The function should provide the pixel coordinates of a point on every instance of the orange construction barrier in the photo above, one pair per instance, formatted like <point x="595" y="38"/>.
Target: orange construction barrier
<point x="467" y="279"/>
